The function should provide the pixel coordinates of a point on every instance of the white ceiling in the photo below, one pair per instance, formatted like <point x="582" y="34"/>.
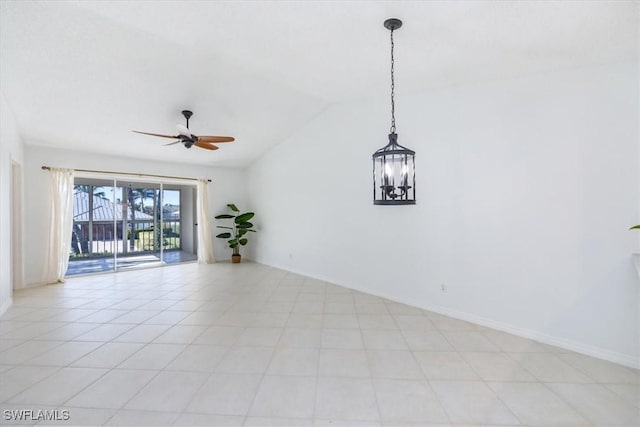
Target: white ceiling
<point x="82" y="75"/>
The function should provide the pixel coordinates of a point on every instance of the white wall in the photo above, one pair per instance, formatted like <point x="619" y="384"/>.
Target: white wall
<point x="525" y="189"/>
<point x="11" y="151"/>
<point x="228" y="186"/>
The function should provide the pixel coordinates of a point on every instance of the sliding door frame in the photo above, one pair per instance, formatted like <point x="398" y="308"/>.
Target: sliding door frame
<point x="116" y="182"/>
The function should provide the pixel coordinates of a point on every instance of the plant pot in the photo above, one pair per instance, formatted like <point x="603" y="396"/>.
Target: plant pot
<point x="236" y="258"/>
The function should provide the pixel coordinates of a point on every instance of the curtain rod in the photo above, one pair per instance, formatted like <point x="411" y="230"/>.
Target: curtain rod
<point x="130" y="174"/>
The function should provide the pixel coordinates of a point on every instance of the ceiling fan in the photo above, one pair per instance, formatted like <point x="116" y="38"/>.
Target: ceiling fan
<point x="188" y="139"/>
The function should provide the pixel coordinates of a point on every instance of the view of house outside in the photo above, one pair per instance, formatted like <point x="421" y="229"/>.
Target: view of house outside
<point x="124" y="220"/>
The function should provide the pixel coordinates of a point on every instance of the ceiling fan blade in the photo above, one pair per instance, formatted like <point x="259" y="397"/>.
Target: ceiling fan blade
<point x="184" y="131"/>
<point x="216" y="139"/>
<point x="205" y="145"/>
<point x="174" y="142"/>
<point x="157" y="134"/>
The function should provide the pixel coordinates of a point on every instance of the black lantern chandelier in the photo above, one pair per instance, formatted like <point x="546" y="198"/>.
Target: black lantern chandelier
<point x="394" y="180"/>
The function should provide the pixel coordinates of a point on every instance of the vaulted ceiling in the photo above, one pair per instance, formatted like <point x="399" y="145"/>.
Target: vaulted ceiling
<point x="82" y="75"/>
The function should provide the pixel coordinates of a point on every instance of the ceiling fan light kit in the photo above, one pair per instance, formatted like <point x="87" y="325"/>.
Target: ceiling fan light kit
<point x="394" y="180"/>
<point x="188" y="139"/>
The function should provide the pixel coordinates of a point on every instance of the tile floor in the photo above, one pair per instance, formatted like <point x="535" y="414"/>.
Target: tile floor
<point x="234" y="345"/>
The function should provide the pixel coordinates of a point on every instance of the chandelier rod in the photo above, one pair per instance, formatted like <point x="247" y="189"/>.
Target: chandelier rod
<point x="393" y="86"/>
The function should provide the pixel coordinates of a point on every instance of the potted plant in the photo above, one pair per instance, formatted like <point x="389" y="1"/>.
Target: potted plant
<point x="240" y="226"/>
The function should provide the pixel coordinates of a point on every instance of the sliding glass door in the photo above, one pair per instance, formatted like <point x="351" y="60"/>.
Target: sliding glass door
<point x="94" y="236"/>
<point x="139" y="218"/>
<point x="172" y="247"/>
<point x="121" y="224"/>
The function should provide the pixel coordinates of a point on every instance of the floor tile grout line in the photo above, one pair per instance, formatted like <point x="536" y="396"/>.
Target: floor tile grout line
<point x="511" y="356"/>
<point x="428" y="383"/>
<point x="635" y="402"/>
<point x="67" y="367"/>
<point x="38" y="354"/>
<point x="159" y="372"/>
<point x="34" y="384"/>
<point x="213" y="372"/>
<point x="568" y="403"/>
<point x="315" y="391"/>
<point x="87" y="386"/>
<point x="108" y="369"/>
<point x="486" y="384"/>
<point x="264" y="374"/>
<point x="586" y="372"/>
<point x="481" y="379"/>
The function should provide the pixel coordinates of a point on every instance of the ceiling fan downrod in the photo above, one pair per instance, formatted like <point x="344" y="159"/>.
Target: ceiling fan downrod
<point x="187" y="115"/>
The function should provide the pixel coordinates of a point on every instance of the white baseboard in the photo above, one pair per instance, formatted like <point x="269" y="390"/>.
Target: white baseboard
<point x="34" y="285"/>
<point x="578" y="347"/>
<point x="5" y="305"/>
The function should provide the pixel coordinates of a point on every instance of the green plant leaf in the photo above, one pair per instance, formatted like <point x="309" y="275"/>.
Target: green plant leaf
<point x="233" y="246"/>
<point x="245" y="225"/>
<point x="233" y="241"/>
<point x="243" y="241"/>
<point x="233" y="207"/>
<point x="244" y="217"/>
<point x="222" y="226"/>
<point x="635" y="227"/>
<point x="224" y="235"/>
<point x="242" y="232"/>
<point x="224" y="216"/>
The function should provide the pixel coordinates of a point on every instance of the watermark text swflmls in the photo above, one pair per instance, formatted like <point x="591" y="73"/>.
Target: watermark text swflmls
<point x="36" y="415"/>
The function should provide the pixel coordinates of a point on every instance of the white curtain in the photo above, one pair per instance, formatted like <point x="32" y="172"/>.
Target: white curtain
<point x="60" y="224"/>
<point x="205" y="242"/>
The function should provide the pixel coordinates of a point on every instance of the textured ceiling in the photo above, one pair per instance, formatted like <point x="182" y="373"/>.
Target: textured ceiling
<point x="82" y="75"/>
